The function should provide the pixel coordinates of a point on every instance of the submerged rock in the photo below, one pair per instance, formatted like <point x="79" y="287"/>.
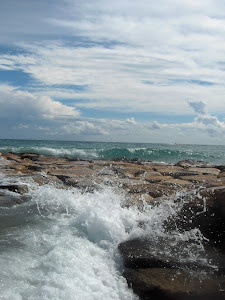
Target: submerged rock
<point x="9" y="200"/>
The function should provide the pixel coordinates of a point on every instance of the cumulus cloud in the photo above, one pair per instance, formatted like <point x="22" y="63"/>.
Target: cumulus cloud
<point x="204" y="121"/>
<point x="154" y="125"/>
<point x="211" y="124"/>
<point x="82" y="128"/>
<point x="199" y="106"/>
<point x="17" y="104"/>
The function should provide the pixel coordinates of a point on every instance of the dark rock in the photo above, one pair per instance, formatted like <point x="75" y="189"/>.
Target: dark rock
<point x="129" y="160"/>
<point x="11" y="200"/>
<point x="205" y="211"/>
<point x="161" y="283"/>
<point x="74" y="159"/>
<point x="68" y="180"/>
<point x="170" y="252"/>
<point x="184" y="173"/>
<point x="35" y="168"/>
<point x="221" y="168"/>
<point x="31" y="156"/>
<point x="16" y="188"/>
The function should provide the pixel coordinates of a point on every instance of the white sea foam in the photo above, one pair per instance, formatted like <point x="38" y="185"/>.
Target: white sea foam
<point x="69" y="250"/>
<point x="64" y="244"/>
<point x="66" y="152"/>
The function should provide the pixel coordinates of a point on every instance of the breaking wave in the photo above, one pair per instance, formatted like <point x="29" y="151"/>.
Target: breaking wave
<point x="91" y="150"/>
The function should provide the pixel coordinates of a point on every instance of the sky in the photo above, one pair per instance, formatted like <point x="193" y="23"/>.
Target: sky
<point x="120" y="71"/>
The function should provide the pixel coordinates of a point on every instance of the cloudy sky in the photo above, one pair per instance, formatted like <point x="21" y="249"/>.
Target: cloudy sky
<point x="122" y="70"/>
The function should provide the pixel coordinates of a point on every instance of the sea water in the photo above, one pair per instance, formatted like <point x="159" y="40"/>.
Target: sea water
<point x="63" y="244"/>
<point x="92" y="150"/>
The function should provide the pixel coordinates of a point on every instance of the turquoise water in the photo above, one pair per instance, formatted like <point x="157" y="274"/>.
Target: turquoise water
<point x="92" y="150"/>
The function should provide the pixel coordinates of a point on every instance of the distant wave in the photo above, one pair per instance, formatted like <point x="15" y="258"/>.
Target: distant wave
<point x="90" y="152"/>
<point x="62" y="152"/>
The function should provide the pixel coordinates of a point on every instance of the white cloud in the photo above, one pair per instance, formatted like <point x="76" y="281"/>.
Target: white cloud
<point x="17" y="104"/>
<point x="206" y="122"/>
<point x="121" y="56"/>
<point x="82" y="128"/>
<point x="210" y="124"/>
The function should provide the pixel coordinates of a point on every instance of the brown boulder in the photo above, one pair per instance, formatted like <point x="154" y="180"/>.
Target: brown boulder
<point x="161" y="283"/>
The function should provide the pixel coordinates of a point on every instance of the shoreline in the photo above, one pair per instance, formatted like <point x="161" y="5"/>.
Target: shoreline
<point x="197" y="187"/>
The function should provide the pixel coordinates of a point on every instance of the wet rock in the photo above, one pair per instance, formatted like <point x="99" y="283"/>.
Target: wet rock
<point x="200" y="178"/>
<point x="16" y="188"/>
<point x="212" y="171"/>
<point x="204" y="210"/>
<point x="161" y="283"/>
<point x="192" y="163"/>
<point x="42" y="179"/>
<point x="50" y="160"/>
<point x="31" y="156"/>
<point x="11" y="156"/>
<point x="167" y="170"/>
<point x="129" y="160"/>
<point x="170" y="252"/>
<point x="178" y="182"/>
<point x="7" y="200"/>
<point x="36" y="168"/>
<point x="154" y="190"/>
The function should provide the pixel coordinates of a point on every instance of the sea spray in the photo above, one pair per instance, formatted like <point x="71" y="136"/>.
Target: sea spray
<point x="65" y="246"/>
<point x="62" y="244"/>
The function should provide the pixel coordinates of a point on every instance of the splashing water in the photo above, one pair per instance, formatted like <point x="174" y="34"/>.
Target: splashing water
<point x="63" y="243"/>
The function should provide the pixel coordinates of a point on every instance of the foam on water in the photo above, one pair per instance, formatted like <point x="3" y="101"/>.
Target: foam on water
<point x="82" y="153"/>
<point x="63" y="243"/>
<point x="65" y="247"/>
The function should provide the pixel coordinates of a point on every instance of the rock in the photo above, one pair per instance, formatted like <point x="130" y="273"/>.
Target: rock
<point x="161" y="283"/>
<point x="200" y="178"/>
<point x="11" y="200"/>
<point x="129" y="160"/>
<point x="204" y="210"/>
<point x="50" y="160"/>
<point x="170" y="252"/>
<point x="212" y="171"/>
<point x="35" y="168"/>
<point x="178" y="182"/>
<point x="11" y="156"/>
<point x="192" y="163"/>
<point x="154" y="190"/>
<point x="31" y="156"/>
<point x="221" y="175"/>
<point x="16" y="188"/>
<point x="42" y="179"/>
<point x="167" y="170"/>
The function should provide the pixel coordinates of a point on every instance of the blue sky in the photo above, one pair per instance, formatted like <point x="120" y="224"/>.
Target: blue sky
<point x="135" y="71"/>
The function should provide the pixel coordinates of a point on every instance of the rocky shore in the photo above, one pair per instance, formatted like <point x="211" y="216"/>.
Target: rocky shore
<point x="197" y="188"/>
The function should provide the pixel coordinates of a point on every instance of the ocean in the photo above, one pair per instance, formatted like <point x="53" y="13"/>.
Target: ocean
<point x="167" y="153"/>
<point x="62" y="244"/>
